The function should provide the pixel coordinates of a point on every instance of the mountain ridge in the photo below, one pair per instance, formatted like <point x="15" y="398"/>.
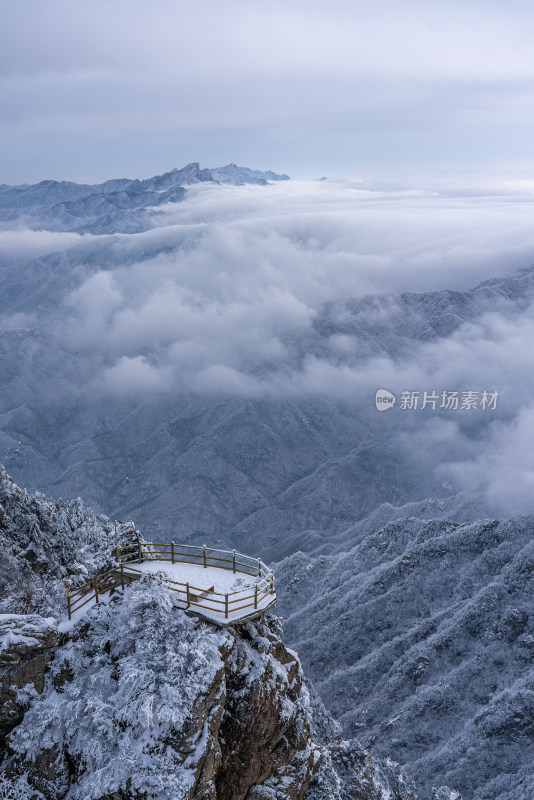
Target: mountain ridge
<point x="119" y="204"/>
<point x="429" y="632"/>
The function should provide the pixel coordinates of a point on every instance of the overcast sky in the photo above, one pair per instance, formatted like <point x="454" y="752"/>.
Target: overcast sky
<point x="122" y="87"/>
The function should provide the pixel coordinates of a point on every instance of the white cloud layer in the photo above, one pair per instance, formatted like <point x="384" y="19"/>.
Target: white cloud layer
<point x="223" y="300"/>
<point x="22" y="244"/>
<point x="224" y="297"/>
<point x="233" y="283"/>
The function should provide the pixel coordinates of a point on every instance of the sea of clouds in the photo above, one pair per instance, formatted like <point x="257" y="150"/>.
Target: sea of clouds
<point x="223" y="294"/>
<point x="221" y="299"/>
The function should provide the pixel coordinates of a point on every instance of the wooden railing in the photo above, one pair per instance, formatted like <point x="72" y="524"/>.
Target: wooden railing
<point x="206" y="602"/>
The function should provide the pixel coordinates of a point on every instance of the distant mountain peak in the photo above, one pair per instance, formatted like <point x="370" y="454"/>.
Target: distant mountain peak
<point x="119" y="205"/>
<point x="231" y="173"/>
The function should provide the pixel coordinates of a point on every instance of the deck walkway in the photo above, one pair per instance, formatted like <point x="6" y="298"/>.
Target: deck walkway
<point x="223" y="586"/>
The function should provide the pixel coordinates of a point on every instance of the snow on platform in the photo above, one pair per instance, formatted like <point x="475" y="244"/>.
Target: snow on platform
<point x="222" y="580"/>
<point x="212" y="592"/>
<point x="213" y="583"/>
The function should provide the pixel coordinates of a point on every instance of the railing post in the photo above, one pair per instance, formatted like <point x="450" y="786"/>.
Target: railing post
<point x="226" y="606"/>
<point x="205" y="554"/>
<point x="187" y="595"/>
<point x="95" y="587"/>
<point x="233" y="560"/>
<point x="68" y="596"/>
<point x="122" y="576"/>
<point x="117" y="555"/>
<point x="255" y="595"/>
<point x="139" y="552"/>
<point x="259" y="567"/>
<point x="172" y="552"/>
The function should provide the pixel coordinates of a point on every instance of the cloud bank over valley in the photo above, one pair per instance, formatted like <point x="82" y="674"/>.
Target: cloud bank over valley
<point x="297" y="291"/>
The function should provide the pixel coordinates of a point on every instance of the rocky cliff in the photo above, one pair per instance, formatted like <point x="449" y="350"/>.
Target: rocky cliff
<point x="139" y="701"/>
<point x="145" y="701"/>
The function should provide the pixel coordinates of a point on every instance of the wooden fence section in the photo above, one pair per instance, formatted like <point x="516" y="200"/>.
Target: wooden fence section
<point x="218" y="607"/>
<point x="188" y="554"/>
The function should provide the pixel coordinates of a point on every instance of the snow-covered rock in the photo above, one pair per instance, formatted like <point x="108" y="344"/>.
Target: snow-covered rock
<point x="41" y="540"/>
<point x="27" y="643"/>
<point x="139" y="700"/>
<point x="148" y="701"/>
<point x="20" y="634"/>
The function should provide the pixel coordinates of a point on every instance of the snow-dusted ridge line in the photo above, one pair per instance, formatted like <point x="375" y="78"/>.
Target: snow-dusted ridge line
<point x="222" y="598"/>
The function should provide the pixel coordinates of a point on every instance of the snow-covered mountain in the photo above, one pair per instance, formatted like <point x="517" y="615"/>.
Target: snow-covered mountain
<point x="120" y="204"/>
<point x="420" y="640"/>
<point x="140" y="700"/>
<point x="187" y="352"/>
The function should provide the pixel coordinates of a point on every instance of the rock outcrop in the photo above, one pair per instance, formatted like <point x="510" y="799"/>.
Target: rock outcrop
<point x="26" y="649"/>
<point x="139" y="701"/>
<point x="145" y="701"/>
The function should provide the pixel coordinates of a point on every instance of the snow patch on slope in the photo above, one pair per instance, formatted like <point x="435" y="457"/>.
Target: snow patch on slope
<point x="137" y="673"/>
